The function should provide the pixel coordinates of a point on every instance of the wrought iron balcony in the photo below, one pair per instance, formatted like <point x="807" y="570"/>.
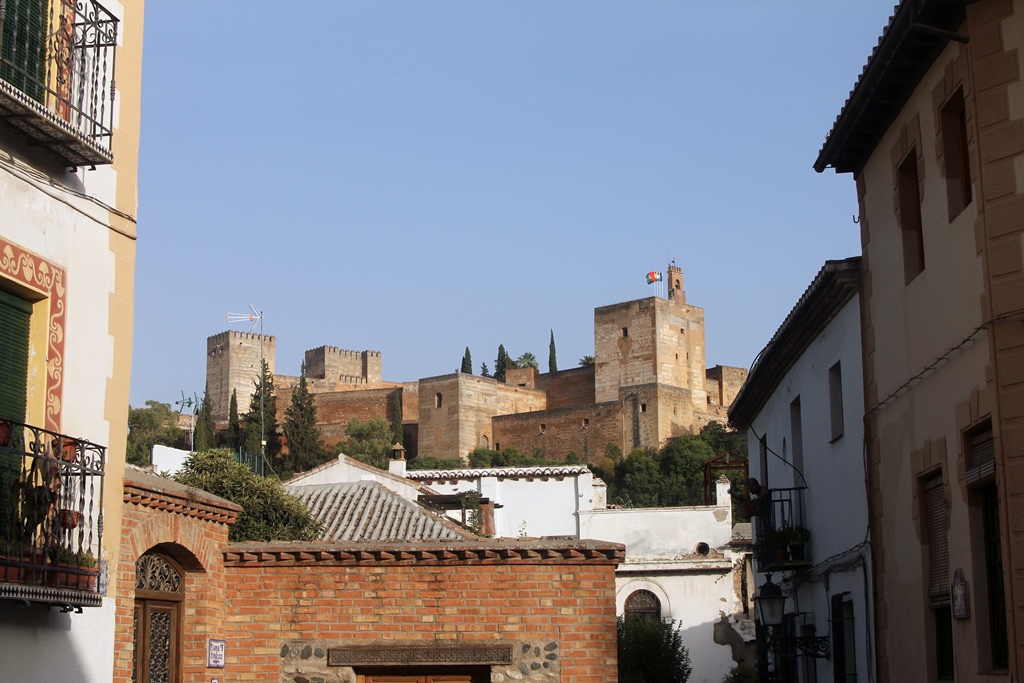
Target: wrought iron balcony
<point x="51" y="517"/>
<point x="57" y="76"/>
<point x="781" y="538"/>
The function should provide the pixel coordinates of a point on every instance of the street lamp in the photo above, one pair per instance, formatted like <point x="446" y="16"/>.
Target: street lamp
<point x="771" y="604"/>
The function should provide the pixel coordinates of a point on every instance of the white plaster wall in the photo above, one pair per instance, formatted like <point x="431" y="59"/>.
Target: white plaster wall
<point x="346" y="469"/>
<point x="535" y="506"/>
<point x="835" y="502"/>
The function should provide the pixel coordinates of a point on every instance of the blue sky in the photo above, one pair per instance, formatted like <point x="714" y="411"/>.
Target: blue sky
<point x="417" y="177"/>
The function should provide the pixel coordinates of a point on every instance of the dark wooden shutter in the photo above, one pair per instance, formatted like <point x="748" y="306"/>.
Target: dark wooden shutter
<point x="14" y="328"/>
<point x="938" y="549"/>
<point x="24" y="46"/>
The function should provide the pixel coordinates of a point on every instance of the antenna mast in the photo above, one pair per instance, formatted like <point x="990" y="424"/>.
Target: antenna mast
<point x="256" y="318"/>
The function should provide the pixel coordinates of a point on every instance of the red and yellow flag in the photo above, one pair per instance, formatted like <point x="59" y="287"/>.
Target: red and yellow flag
<point x="653" y="277"/>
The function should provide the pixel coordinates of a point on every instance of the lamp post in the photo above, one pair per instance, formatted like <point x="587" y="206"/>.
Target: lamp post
<point x="770" y="603"/>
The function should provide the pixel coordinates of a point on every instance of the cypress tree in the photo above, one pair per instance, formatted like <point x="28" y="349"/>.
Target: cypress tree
<point x="396" y="415"/>
<point x="304" y="448"/>
<point x="467" y="363"/>
<point x="205" y="434"/>
<point x="234" y="424"/>
<point x="501" y="364"/>
<point x="484" y="371"/>
<point x="265" y="389"/>
<point x="552" y="363"/>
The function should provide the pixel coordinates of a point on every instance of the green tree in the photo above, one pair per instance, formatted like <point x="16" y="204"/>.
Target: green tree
<point x="484" y="370"/>
<point x="305" y="450"/>
<point x="428" y="462"/>
<point x="651" y="651"/>
<point x="154" y="424"/>
<point x="586" y="360"/>
<point x="269" y="513"/>
<point x="234" y="424"/>
<point x="263" y="396"/>
<point x="205" y="436"/>
<point x="527" y="360"/>
<point x="723" y="440"/>
<point x="501" y="363"/>
<point x="368" y="442"/>
<point x="397" y="435"/>
<point x="467" y="363"/>
<point x="552" y="363"/>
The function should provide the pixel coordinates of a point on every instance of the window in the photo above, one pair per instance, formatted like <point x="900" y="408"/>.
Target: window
<point x="643" y="407"/>
<point x="941" y="645"/>
<point x="835" y="399"/>
<point x="844" y="644"/>
<point x="997" y="637"/>
<point x="796" y="432"/>
<point x="437" y="400"/>
<point x="625" y="331"/>
<point x="586" y="422"/>
<point x="543" y="428"/>
<point x="763" y="453"/>
<point x="953" y="120"/>
<point x="643" y="605"/>
<point x="909" y="190"/>
<point x="25" y="25"/>
<point x="14" y="331"/>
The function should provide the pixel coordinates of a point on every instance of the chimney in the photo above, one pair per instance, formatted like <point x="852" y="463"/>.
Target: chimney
<point x="396" y="465"/>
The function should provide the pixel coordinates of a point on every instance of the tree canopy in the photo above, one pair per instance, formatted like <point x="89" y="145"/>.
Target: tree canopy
<point x="527" y="360"/>
<point x="157" y="423"/>
<point x="651" y="651"/>
<point x="264" y="394"/>
<point x="467" y="363"/>
<point x="552" y="362"/>
<point x="205" y="436"/>
<point x="501" y="364"/>
<point x="586" y="360"/>
<point x="269" y="513"/>
<point x="368" y="442"/>
<point x="305" y="450"/>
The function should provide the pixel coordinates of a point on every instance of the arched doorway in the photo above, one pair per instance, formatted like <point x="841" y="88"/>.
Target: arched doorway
<point x="643" y="605"/>
<point x="156" y="641"/>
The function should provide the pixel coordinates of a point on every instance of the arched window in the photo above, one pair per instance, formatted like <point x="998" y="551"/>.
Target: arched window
<point x="485" y="442"/>
<point x="643" y="605"/>
<point x="158" y="597"/>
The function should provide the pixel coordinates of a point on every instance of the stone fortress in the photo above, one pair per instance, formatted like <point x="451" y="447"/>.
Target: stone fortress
<point x="648" y="384"/>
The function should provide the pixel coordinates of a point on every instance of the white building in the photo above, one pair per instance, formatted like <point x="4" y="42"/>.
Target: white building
<point x="802" y="408"/>
<point x="69" y="142"/>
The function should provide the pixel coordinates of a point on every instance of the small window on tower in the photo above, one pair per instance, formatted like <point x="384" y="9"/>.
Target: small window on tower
<point x="543" y="428"/>
<point x="625" y="331"/>
<point x="437" y="400"/>
<point x="643" y="407"/>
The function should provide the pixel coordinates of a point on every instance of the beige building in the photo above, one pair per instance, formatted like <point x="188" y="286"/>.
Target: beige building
<point x="933" y="133"/>
<point x="648" y="384"/>
<point x="69" y="147"/>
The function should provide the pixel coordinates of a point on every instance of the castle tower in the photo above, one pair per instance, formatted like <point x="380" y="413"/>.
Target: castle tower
<point x="233" y="363"/>
<point x="652" y="341"/>
<point x="342" y="366"/>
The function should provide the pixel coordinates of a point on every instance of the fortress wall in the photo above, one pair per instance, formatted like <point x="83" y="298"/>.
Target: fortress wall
<point x="343" y="366"/>
<point x="729" y="380"/>
<point x="623" y="347"/>
<point x="585" y="430"/>
<point x="573" y="387"/>
<point x="336" y="409"/>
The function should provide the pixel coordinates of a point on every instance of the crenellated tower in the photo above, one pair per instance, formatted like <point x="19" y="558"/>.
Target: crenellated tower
<point x="233" y="363"/>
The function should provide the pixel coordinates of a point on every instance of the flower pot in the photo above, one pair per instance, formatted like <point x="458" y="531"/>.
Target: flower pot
<point x="780" y="555"/>
<point x="66" y="451"/>
<point x="63" y="575"/>
<point x="69" y="519"/>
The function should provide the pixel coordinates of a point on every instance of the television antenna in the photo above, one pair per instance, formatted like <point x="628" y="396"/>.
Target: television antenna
<point x="192" y="403"/>
<point x="256" y="318"/>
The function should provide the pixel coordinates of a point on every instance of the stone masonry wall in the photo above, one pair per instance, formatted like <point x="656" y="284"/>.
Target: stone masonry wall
<point x="558" y="617"/>
<point x="573" y="387"/>
<point x="585" y="430"/>
<point x="727" y="382"/>
<point x="233" y="363"/>
<point x="335" y="410"/>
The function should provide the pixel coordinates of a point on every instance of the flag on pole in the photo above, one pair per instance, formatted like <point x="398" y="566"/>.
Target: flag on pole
<point x="653" y="277"/>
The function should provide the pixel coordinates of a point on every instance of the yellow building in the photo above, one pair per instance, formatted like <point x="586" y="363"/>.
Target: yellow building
<point x="70" y="89"/>
<point x="933" y="133"/>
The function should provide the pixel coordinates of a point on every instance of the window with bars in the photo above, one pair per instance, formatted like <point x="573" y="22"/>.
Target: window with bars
<point x="938" y="575"/>
<point x="643" y="605"/>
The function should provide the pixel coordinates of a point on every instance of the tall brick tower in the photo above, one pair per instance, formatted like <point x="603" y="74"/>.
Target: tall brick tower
<point x="650" y="354"/>
<point x="233" y="363"/>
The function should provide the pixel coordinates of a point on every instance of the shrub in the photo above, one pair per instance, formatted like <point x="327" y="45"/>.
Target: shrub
<point x="651" y="652"/>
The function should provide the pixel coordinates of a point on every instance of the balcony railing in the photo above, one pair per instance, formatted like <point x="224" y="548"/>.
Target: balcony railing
<point x="51" y="516"/>
<point x="57" y="76"/>
<point x="781" y="539"/>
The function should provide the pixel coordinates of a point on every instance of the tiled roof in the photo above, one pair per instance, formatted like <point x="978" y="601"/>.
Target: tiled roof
<point x="366" y="511"/>
<point x="504" y="472"/>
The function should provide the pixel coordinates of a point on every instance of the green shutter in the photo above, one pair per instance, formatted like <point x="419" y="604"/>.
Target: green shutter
<point x="14" y="327"/>
<point x="24" y="46"/>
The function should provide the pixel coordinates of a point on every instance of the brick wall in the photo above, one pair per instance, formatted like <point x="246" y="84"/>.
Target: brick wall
<point x="335" y="410"/>
<point x="543" y="596"/>
<point x="189" y="528"/>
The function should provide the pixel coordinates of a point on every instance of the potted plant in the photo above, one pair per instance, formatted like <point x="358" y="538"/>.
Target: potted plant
<point x="74" y="569"/>
<point x="798" y="538"/>
<point x="781" y="539"/>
